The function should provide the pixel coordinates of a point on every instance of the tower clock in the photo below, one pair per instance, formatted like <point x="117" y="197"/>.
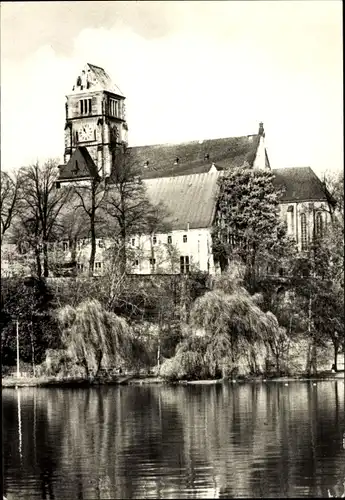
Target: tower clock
<point x="95" y="117"/>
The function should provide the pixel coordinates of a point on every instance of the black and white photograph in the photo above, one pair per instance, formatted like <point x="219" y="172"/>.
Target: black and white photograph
<point x="172" y="250"/>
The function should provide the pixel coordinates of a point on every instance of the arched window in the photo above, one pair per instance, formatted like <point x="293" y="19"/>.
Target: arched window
<point x="291" y="220"/>
<point x="304" y="237"/>
<point x="318" y="224"/>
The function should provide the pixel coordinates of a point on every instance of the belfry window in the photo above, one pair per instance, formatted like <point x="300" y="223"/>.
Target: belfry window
<point x="304" y="236"/>
<point x="85" y="106"/>
<point x="114" y="107"/>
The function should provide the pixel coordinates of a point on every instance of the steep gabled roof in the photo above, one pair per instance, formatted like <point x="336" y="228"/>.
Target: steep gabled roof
<point x="299" y="184"/>
<point x="160" y="160"/>
<point x="104" y="80"/>
<point x="97" y="79"/>
<point x="79" y="166"/>
<point x="188" y="199"/>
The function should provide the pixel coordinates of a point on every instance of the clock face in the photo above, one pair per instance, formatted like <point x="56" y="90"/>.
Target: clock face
<point x="86" y="133"/>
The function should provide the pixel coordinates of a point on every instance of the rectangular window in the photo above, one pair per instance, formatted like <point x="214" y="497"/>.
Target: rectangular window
<point x="133" y="242"/>
<point x="136" y="263"/>
<point x="154" y="240"/>
<point x="65" y="246"/>
<point x="152" y="264"/>
<point x="169" y="240"/>
<point x="98" y="265"/>
<point x="114" y="108"/>
<point x="101" y="243"/>
<point x="184" y="238"/>
<point x="85" y="106"/>
<point x="80" y="266"/>
<point x="184" y="264"/>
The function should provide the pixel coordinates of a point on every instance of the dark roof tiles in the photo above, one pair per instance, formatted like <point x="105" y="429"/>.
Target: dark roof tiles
<point x="299" y="184"/>
<point x="160" y="160"/>
<point x="79" y="166"/>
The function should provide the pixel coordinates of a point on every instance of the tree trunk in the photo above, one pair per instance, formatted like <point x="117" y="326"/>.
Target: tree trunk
<point x="311" y="367"/>
<point x="93" y="246"/>
<point x="85" y="365"/>
<point x="32" y="353"/>
<point x="123" y="253"/>
<point x="38" y="262"/>
<point x="45" y="260"/>
<point x="278" y="363"/>
<point x="313" y="358"/>
<point x="99" y="362"/>
<point x="158" y="353"/>
<point x="336" y="347"/>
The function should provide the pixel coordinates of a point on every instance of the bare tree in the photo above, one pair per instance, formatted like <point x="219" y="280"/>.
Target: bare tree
<point x="91" y="196"/>
<point x="40" y="208"/>
<point x="10" y="198"/>
<point x="128" y="205"/>
<point x="126" y="202"/>
<point x="334" y="190"/>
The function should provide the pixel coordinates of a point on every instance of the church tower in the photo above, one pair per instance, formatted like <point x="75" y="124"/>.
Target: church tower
<point x="95" y="118"/>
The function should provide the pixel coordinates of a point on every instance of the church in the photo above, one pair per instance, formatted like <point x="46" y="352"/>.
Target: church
<point x="181" y="176"/>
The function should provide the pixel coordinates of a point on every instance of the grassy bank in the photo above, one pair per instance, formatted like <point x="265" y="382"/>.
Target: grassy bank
<point x="74" y="381"/>
<point x="14" y="382"/>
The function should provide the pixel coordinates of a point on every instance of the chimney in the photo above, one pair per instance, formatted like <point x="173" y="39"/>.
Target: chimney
<point x="261" y="129"/>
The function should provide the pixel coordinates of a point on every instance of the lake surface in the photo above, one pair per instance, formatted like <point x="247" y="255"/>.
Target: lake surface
<point x="220" y="441"/>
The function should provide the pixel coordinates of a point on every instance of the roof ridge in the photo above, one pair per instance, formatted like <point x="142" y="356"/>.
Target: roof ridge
<point x="95" y="66"/>
<point x="194" y="141"/>
<point x="290" y="168"/>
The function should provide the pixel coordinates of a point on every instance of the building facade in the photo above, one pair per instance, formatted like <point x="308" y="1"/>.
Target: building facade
<point x="181" y="176"/>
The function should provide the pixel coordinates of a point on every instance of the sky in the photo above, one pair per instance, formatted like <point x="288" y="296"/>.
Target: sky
<point x="189" y="70"/>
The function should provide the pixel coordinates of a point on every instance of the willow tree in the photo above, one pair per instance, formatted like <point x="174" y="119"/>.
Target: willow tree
<point x="91" y="335"/>
<point x="231" y="319"/>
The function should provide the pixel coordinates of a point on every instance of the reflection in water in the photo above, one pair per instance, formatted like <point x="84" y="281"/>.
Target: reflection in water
<point x="221" y="441"/>
<point x="19" y="426"/>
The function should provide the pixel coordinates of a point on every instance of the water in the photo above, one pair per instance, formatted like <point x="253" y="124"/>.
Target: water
<point x="231" y="440"/>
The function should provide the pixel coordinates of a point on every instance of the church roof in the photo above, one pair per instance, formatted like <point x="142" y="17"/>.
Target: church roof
<point x="79" y="166"/>
<point x="104" y="79"/>
<point x="299" y="184"/>
<point x="96" y="79"/>
<point x="163" y="160"/>
<point x="188" y="199"/>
